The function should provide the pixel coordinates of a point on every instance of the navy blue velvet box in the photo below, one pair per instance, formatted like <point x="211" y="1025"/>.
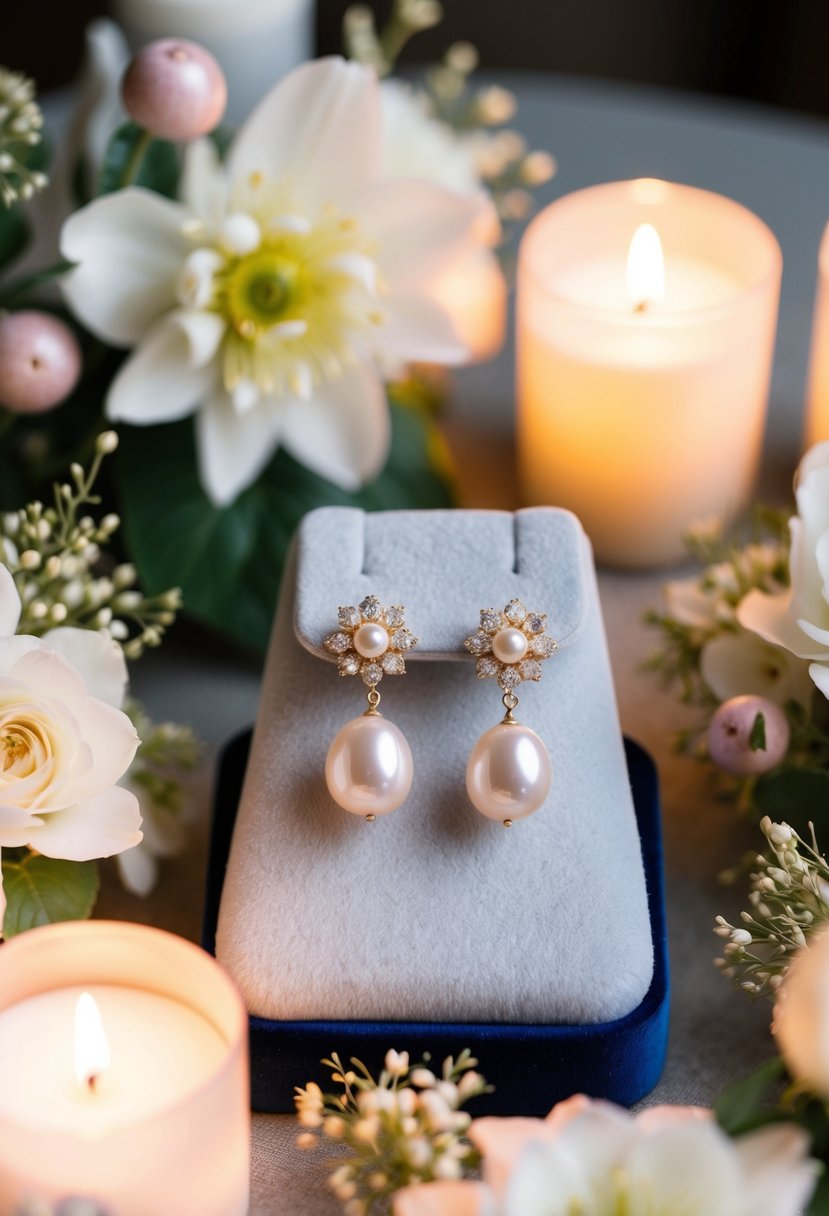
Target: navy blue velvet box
<point x="531" y="1066"/>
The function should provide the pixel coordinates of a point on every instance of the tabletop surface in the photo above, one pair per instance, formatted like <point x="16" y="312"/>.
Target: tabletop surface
<point x="779" y="167"/>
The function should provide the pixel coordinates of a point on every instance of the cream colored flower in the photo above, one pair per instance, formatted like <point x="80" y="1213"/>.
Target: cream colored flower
<point x="801" y="1015"/>
<point x="275" y="296"/>
<point x="591" y="1157"/>
<point x="64" y="743"/>
<point x="734" y="664"/>
<point x="798" y="619"/>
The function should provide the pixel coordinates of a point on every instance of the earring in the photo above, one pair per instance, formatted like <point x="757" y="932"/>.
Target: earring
<point x="509" y="772"/>
<point x="368" y="769"/>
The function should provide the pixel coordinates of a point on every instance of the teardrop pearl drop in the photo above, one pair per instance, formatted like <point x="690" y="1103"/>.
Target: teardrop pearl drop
<point x="369" y="767"/>
<point x="509" y="773"/>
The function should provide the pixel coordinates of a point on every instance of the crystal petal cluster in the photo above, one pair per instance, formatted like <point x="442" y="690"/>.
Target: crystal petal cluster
<point x="511" y="644"/>
<point x="372" y="641"/>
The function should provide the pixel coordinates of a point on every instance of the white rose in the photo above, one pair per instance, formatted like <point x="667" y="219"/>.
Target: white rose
<point x="64" y="743"/>
<point x="801" y="1015"/>
<point x="798" y="618"/>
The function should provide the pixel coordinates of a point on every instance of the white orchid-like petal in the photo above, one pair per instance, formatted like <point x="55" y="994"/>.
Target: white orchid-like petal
<point x="138" y="870"/>
<point x="97" y="657"/>
<point x="778" y="1176"/>
<point x="170" y="373"/>
<point x="203" y="186"/>
<point x="343" y="431"/>
<point x="734" y="664"/>
<point x="690" y="1167"/>
<point x="9" y="603"/>
<point x="417" y="329"/>
<point x="444" y="1199"/>
<point x="319" y="127"/>
<point x="96" y="827"/>
<point x="820" y="677"/>
<point x="771" y="617"/>
<point x="129" y="247"/>
<point x="233" y="447"/>
<point x="443" y="221"/>
<point x="548" y="1181"/>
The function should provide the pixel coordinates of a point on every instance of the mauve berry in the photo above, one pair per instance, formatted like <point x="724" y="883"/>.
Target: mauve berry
<point x="729" y="736"/>
<point x="175" y="89"/>
<point x="40" y="362"/>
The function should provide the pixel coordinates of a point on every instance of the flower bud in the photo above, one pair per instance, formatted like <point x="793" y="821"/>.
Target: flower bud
<point x="40" y="362"/>
<point x="729" y="736"/>
<point x="175" y="89"/>
<point x="106" y="443"/>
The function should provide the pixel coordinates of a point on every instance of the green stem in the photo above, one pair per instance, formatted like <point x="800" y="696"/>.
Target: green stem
<point x="133" y="165"/>
<point x="31" y="282"/>
<point x="7" y="421"/>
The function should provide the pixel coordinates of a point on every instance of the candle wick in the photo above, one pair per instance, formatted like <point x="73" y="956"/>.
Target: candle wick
<point x="641" y="307"/>
<point x="92" y="1082"/>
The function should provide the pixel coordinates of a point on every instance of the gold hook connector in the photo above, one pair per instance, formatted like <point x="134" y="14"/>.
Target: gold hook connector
<point x="373" y="699"/>
<point x="510" y="703"/>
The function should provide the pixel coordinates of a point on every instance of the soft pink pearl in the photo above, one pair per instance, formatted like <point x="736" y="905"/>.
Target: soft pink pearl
<point x="371" y="640"/>
<point x="175" y="89"/>
<point x="510" y="645"/>
<point x="509" y="773"/>
<point x="369" y="767"/>
<point x="40" y="362"/>
<point x="729" y="736"/>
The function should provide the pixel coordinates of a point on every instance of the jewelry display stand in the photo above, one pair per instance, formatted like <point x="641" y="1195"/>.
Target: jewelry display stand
<point x="435" y="926"/>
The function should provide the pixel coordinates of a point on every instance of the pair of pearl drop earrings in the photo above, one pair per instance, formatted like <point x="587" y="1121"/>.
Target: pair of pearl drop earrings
<point x="369" y="768"/>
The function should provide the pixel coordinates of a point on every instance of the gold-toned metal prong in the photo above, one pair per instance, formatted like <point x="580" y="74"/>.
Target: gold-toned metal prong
<point x="370" y="818"/>
<point x="507" y="823"/>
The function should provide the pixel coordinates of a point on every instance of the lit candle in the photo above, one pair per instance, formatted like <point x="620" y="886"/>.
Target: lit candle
<point x="646" y="322"/>
<point x="817" y="398"/>
<point x="255" y="41"/>
<point x="123" y="1073"/>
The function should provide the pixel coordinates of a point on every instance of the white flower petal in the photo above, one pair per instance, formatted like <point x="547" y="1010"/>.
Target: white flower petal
<point x="16" y="825"/>
<point x="170" y="373"/>
<point x="203" y="188"/>
<point x="734" y="664"/>
<point x="417" y="329"/>
<point x="444" y="1199"/>
<point x="820" y="676"/>
<point x="97" y="827"/>
<point x="97" y="657"/>
<point x="12" y="650"/>
<point x="343" y="431"/>
<point x="688" y="1167"/>
<point x="502" y="1141"/>
<point x="420" y="229"/>
<point x="51" y="677"/>
<point x="129" y="247"/>
<point x="771" y="617"/>
<point x="138" y="870"/>
<point x="548" y="1181"/>
<point x="2" y="896"/>
<point x="9" y="603"/>
<point x="320" y="126"/>
<point x="779" y="1177"/>
<point x="233" y="447"/>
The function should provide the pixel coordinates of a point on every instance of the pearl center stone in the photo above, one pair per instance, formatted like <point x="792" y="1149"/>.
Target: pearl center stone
<point x="510" y="645"/>
<point x="371" y="640"/>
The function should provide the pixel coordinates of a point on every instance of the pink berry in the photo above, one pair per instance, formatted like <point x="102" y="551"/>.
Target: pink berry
<point x="40" y="362"/>
<point x="729" y="736"/>
<point x="175" y="89"/>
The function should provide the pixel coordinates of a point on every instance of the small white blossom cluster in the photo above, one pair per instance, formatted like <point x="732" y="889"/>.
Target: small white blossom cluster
<point x="405" y="1127"/>
<point x="789" y="901"/>
<point x="55" y="554"/>
<point x="21" y="124"/>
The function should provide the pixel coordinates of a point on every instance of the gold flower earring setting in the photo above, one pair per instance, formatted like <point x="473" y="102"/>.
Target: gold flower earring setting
<point x="369" y="769"/>
<point x="509" y="773"/>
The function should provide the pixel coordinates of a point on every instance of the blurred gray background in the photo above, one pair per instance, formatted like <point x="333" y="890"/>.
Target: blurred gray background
<point x="773" y="51"/>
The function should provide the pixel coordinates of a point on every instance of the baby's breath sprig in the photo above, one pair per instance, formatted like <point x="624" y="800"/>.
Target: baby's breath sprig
<point x="381" y="48"/>
<point x="789" y="901"/>
<point x="405" y="1127"/>
<point x="21" y="124"/>
<point x="55" y="556"/>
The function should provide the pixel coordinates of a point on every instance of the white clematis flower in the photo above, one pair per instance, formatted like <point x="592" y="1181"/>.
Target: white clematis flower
<point x="276" y="294"/>
<point x="64" y="742"/>
<point x="597" y="1158"/>
<point x="736" y="664"/>
<point x="798" y="619"/>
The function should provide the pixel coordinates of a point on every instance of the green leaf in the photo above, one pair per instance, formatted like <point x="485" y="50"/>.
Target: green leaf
<point x="228" y="561"/>
<point x="42" y="890"/>
<point x="798" y="796"/>
<point x="757" y="738"/>
<point x="744" y="1105"/>
<point x="819" y="1205"/>
<point x="14" y="234"/>
<point x="131" y="160"/>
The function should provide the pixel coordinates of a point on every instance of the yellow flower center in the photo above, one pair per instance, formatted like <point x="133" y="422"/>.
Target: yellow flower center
<point x="298" y="292"/>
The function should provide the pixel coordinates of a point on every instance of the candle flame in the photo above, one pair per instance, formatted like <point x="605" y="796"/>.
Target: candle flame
<point x="645" y="276"/>
<point x="91" y="1046"/>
